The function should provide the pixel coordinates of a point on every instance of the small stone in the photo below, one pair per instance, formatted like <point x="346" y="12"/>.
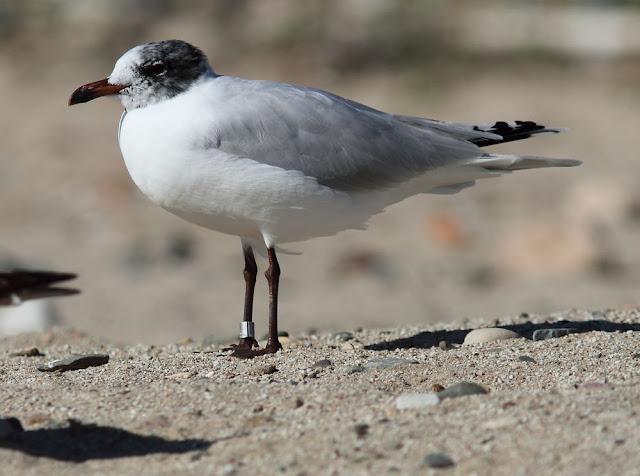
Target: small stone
<point x="268" y="370"/>
<point x="438" y="460"/>
<point x="410" y="401"/>
<point x="462" y="389"/>
<point x="526" y="358"/>
<point x="489" y="334"/>
<point x="342" y="336"/>
<point x="298" y="402"/>
<point x="9" y="427"/>
<point x="312" y="374"/>
<point x="229" y="470"/>
<point x="348" y="346"/>
<point x="354" y="369"/>
<point x="436" y="387"/>
<point x="380" y="364"/>
<point x="285" y="342"/>
<point x="76" y="362"/>
<point x="362" y="430"/>
<point x="28" y="352"/>
<point x="543" y="334"/>
<point x="444" y="345"/>
<point x="322" y="364"/>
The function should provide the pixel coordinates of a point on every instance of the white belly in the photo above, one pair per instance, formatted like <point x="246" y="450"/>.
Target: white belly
<point x="226" y="193"/>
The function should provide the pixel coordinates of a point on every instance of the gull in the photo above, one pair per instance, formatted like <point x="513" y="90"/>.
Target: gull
<point x="18" y="286"/>
<point x="274" y="163"/>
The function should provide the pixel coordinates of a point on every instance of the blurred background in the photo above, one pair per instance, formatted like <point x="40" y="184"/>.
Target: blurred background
<point x="535" y="242"/>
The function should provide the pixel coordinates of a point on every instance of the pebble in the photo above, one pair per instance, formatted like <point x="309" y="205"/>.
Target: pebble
<point x="354" y="369"/>
<point x="9" y="427"/>
<point x="462" y="389"/>
<point x="342" y="336"/>
<point x="438" y="460"/>
<point x="489" y="334"/>
<point x="76" y="362"/>
<point x="379" y="364"/>
<point x="285" y="342"/>
<point x="347" y="346"/>
<point x="322" y="364"/>
<point x="361" y="429"/>
<point x="444" y="345"/>
<point x="28" y="352"/>
<point x="267" y="370"/>
<point x="543" y="334"/>
<point x="229" y="470"/>
<point x="526" y="358"/>
<point x="409" y="401"/>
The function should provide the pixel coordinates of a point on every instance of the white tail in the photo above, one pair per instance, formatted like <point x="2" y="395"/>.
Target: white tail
<point x="508" y="163"/>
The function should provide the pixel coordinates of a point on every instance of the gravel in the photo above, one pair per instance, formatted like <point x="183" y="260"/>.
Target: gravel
<point x="542" y="334"/>
<point x="381" y="364"/>
<point x="191" y="409"/>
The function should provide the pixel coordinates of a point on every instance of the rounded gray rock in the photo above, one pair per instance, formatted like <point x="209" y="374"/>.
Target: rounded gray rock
<point x="438" y="460"/>
<point x="462" y="389"/>
<point x="489" y="334"/>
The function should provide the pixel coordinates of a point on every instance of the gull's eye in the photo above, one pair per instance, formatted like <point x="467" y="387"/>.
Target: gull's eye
<point x="154" y="69"/>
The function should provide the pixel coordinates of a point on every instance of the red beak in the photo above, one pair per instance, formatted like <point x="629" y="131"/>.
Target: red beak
<point x="94" y="90"/>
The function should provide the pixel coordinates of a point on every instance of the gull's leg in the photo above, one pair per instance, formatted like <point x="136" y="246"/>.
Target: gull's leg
<point x="273" y="278"/>
<point x="245" y="349"/>
<point x="247" y="331"/>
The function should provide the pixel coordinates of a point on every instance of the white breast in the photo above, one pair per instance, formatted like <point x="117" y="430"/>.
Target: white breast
<point x="171" y="157"/>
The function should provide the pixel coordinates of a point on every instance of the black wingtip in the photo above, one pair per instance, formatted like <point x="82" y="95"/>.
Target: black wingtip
<point x="22" y="285"/>
<point x="518" y="130"/>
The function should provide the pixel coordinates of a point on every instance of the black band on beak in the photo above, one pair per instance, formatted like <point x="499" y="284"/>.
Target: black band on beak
<point x="94" y="90"/>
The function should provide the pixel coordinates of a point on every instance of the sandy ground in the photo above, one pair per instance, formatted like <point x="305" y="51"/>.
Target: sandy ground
<point x="569" y="407"/>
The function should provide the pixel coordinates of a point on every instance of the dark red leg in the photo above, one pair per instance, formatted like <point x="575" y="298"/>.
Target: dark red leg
<point x="273" y="278"/>
<point x="273" y="344"/>
<point x="247" y="333"/>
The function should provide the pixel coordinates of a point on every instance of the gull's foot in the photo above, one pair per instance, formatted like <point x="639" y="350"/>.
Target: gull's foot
<point x="246" y="343"/>
<point x="246" y="352"/>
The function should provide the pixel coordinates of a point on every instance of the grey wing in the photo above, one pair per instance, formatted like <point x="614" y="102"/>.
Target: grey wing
<point x="342" y="144"/>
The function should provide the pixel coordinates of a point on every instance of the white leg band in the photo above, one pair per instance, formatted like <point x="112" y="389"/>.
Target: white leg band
<point x="247" y="329"/>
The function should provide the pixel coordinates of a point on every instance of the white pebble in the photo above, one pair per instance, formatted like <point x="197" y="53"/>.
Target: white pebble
<point x="409" y="401"/>
<point x="489" y="334"/>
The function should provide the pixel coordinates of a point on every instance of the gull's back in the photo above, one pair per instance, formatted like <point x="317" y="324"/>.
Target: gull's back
<point x="342" y="144"/>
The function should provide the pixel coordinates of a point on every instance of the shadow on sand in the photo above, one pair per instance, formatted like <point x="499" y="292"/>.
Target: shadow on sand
<point x="424" y="340"/>
<point x="80" y="442"/>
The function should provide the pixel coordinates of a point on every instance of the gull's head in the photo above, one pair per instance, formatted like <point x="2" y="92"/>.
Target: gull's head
<point x="148" y="74"/>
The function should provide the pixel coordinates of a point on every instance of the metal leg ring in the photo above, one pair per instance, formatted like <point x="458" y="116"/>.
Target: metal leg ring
<point x="247" y="329"/>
